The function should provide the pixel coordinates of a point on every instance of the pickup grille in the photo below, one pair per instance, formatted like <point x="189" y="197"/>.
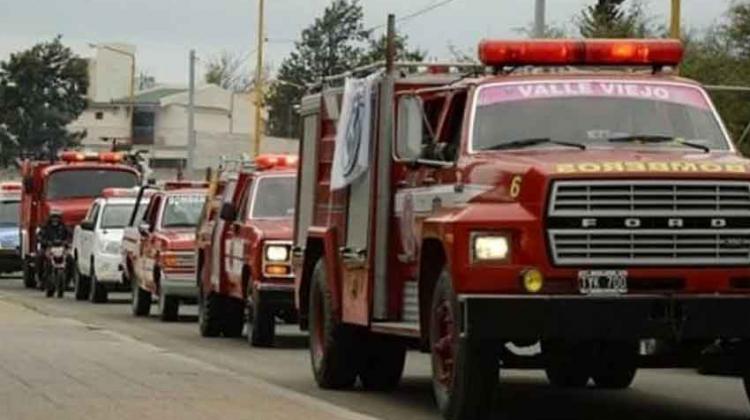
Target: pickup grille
<point x="649" y="223"/>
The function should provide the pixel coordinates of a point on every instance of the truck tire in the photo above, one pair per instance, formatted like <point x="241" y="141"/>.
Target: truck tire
<point x="384" y="365"/>
<point x="464" y="374"/>
<point x="209" y="315"/>
<point x="333" y="346"/>
<point x="98" y="293"/>
<point x="29" y="276"/>
<point x="81" y="284"/>
<point x="234" y="317"/>
<point x="615" y="364"/>
<point x="261" y="326"/>
<point x="141" y="303"/>
<point x="567" y="364"/>
<point x="169" y="307"/>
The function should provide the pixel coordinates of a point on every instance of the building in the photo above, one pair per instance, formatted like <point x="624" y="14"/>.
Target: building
<point x="223" y="119"/>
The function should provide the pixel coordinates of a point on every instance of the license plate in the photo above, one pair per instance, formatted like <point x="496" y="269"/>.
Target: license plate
<point x="603" y="282"/>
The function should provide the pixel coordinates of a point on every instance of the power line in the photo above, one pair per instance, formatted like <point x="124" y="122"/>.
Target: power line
<point x="432" y="6"/>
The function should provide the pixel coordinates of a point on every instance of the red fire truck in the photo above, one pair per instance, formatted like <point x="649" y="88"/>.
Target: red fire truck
<point x="247" y="262"/>
<point x="557" y="213"/>
<point x="158" y="249"/>
<point x="69" y="184"/>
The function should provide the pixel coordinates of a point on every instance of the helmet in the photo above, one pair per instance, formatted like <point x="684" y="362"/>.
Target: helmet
<point x="55" y="213"/>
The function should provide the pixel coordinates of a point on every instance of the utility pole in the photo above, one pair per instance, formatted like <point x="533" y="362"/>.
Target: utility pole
<point x="259" y="88"/>
<point x="390" y="46"/>
<point x="675" y="27"/>
<point x="191" y="140"/>
<point x="540" y="17"/>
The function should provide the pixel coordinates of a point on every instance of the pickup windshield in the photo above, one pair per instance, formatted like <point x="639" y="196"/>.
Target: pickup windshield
<point x="274" y="197"/>
<point x="9" y="213"/>
<point x="117" y="216"/>
<point x="183" y="211"/>
<point x="82" y="183"/>
<point x="593" y="113"/>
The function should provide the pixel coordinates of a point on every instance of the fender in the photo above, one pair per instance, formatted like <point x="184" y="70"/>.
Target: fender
<point x="321" y="243"/>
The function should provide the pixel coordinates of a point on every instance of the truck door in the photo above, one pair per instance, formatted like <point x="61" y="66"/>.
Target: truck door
<point x="86" y="239"/>
<point x="218" y="249"/>
<point x="146" y="251"/>
<point x="235" y="240"/>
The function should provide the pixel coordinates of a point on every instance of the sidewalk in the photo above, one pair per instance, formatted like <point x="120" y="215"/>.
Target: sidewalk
<point x="63" y="369"/>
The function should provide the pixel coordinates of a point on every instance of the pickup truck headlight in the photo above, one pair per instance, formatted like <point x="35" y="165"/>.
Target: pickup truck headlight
<point x="111" y="247"/>
<point x="490" y="248"/>
<point x="277" y="253"/>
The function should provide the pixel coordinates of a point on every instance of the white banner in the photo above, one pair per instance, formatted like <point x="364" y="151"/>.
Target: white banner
<point x="354" y="132"/>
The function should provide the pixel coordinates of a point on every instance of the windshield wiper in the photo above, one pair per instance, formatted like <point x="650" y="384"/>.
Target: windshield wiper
<point x="520" y="144"/>
<point x="654" y="139"/>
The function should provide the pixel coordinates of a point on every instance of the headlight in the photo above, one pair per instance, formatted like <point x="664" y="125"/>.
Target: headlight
<point x="277" y="253"/>
<point x="491" y="248"/>
<point x="111" y="247"/>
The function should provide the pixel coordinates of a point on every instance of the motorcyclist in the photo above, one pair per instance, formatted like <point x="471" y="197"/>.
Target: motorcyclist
<point x="54" y="230"/>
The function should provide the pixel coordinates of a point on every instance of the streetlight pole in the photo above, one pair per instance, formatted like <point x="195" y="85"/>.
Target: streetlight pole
<point x="259" y="88"/>
<point x="675" y="27"/>
<point x="191" y="140"/>
<point x="132" y="79"/>
<point x="540" y="15"/>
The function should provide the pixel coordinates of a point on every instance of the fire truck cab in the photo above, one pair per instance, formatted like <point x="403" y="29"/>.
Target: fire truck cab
<point x="550" y="214"/>
<point x="158" y="249"/>
<point x="69" y="184"/>
<point x="247" y="265"/>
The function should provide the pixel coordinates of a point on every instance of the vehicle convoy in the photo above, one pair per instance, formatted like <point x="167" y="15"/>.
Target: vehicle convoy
<point x="580" y="199"/>
<point x="245" y="261"/>
<point x="158" y="249"/>
<point x="68" y="185"/>
<point x="97" y="245"/>
<point x="10" y="249"/>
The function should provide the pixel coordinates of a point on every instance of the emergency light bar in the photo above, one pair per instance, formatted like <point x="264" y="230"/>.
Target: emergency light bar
<point x="10" y="187"/>
<point x="591" y="52"/>
<point x="120" y="192"/>
<point x="107" y="157"/>
<point x="276" y="161"/>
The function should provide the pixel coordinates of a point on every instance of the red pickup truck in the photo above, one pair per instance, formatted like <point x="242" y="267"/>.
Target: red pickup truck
<point x="246" y="263"/>
<point x="158" y="256"/>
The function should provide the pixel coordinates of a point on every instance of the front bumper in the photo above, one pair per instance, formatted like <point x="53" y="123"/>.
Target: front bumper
<point x="10" y="260"/>
<point x="107" y="268"/>
<point x="607" y="318"/>
<point x="181" y="285"/>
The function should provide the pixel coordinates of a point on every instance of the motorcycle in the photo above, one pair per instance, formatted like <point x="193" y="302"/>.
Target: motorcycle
<point x="57" y="259"/>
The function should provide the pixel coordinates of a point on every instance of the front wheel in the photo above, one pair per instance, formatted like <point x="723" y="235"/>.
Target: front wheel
<point x="568" y="363"/>
<point x="615" y="364"/>
<point x="81" y="284"/>
<point x="141" y="300"/>
<point x="464" y="374"/>
<point x="333" y="346"/>
<point x="29" y="276"/>
<point x="60" y="283"/>
<point x="384" y="364"/>
<point x="262" y="323"/>
<point x="98" y="293"/>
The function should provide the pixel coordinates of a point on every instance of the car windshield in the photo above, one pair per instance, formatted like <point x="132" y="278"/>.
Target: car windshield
<point x="596" y="114"/>
<point x="274" y="197"/>
<point x="117" y="216"/>
<point x="183" y="211"/>
<point x="87" y="182"/>
<point x="9" y="213"/>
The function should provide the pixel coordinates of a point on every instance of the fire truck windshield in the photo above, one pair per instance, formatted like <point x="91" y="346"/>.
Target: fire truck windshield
<point x="183" y="211"/>
<point x="81" y="183"/>
<point x="9" y="213"/>
<point x="274" y="198"/>
<point x="593" y="113"/>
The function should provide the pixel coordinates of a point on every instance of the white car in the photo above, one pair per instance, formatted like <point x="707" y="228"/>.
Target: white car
<point x="97" y="245"/>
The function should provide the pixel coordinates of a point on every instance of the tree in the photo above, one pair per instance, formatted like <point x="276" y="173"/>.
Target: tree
<point x="42" y="90"/>
<point x="334" y="43"/>
<point x="610" y="19"/>
<point x="377" y="50"/>
<point x="228" y="71"/>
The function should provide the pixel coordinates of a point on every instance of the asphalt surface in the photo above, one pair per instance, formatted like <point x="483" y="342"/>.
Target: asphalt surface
<point x="194" y="377"/>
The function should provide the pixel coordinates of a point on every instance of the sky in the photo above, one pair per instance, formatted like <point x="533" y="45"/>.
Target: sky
<point x="165" y="30"/>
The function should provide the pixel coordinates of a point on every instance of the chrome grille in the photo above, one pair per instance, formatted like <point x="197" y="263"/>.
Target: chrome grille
<point x="650" y="198"/>
<point x="647" y="202"/>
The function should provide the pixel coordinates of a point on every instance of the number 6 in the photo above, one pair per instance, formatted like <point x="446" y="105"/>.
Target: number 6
<point x="515" y="186"/>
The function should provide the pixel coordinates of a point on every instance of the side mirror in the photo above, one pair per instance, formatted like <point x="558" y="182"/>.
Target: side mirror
<point x="228" y="212"/>
<point x="144" y="228"/>
<point x="409" y="137"/>
<point x="87" y="225"/>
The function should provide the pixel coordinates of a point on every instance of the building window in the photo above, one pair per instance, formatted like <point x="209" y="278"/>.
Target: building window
<point x="168" y="163"/>
<point x="99" y="115"/>
<point x="143" y="126"/>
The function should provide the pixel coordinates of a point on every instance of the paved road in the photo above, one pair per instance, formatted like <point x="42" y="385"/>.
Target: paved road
<point x="72" y="356"/>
